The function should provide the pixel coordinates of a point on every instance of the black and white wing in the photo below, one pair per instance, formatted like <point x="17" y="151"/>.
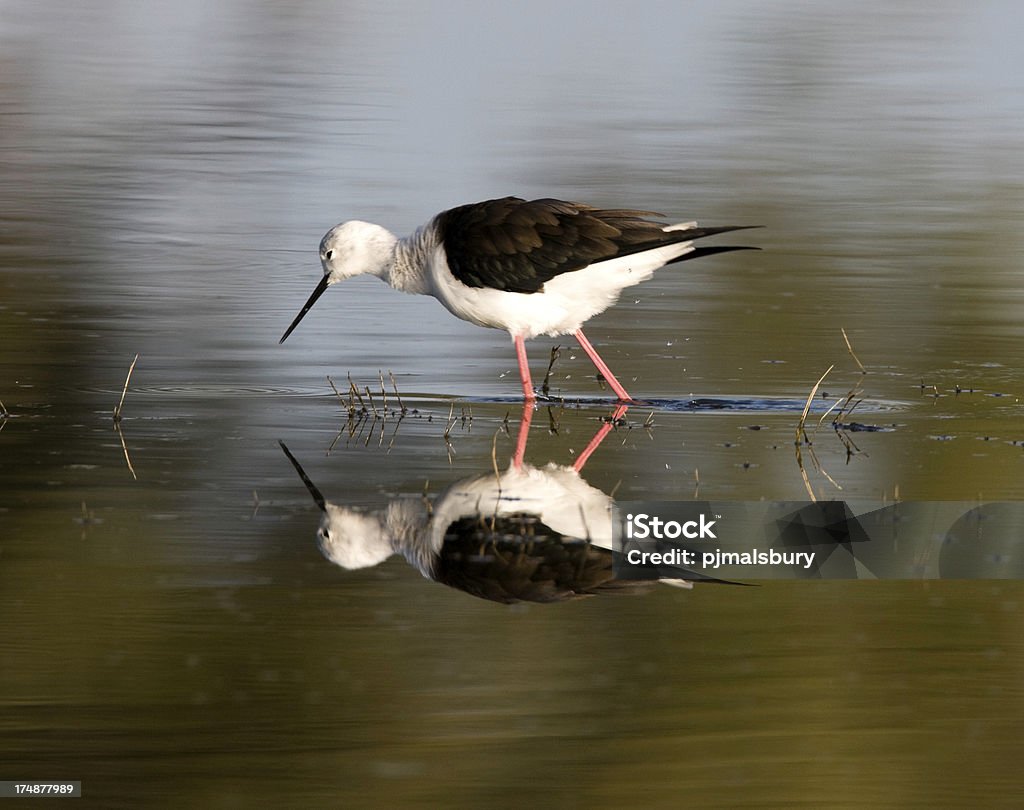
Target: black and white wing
<point x="517" y="245"/>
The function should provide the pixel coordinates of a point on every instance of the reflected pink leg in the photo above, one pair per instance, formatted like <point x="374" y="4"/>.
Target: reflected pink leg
<point x="602" y="367"/>
<point x="606" y="428"/>
<point x="524" y="368"/>
<point x="524" y="434"/>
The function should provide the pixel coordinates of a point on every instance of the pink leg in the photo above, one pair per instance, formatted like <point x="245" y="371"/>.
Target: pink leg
<point x="524" y="369"/>
<point x="602" y="367"/>
<point x="606" y="428"/>
<point x="524" y="433"/>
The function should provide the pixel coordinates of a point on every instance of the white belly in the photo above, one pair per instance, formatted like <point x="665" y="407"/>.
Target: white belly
<point x="563" y="306"/>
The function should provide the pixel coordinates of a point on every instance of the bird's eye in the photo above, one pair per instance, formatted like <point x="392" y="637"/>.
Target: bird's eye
<point x="328" y="255"/>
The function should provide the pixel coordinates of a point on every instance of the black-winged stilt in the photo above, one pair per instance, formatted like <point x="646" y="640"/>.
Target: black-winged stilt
<point x="537" y="534"/>
<point x="538" y="267"/>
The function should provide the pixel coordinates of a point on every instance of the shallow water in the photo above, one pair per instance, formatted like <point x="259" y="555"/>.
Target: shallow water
<point x="173" y="633"/>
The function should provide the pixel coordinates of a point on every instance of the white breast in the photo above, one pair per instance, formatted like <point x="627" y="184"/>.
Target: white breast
<point x="566" y="302"/>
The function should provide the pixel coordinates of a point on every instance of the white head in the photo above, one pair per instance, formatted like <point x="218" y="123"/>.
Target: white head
<point x="353" y="248"/>
<point x="348" y="537"/>
<point x="350" y="249"/>
<point x="353" y="539"/>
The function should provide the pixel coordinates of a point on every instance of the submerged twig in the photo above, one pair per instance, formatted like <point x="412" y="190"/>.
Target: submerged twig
<point x="451" y="420"/>
<point x="819" y="468"/>
<point x="447" y="432"/>
<point x="87" y="519"/>
<point x="494" y="460"/>
<point x="353" y="389"/>
<point x="359" y="418"/>
<point x="337" y="436"/>
<point x="845" y="409"/>
<point x="556" y="352"/>
<point x="398" y="396"/>
<point x="350" y="407"/>
<point x="124" y="446"/>
<point x="849" y="348"/>
<point x="800" y="432"/>
<point x="803" y="473"/>
<point x="845" y="405"/>
<point x="394" y="434"/>
<point x="120" y="405"/>
<point x="554" y="420"/>
<point x="851" y="446"/>
<point x="373" y="407"/>
<point x="832" y="407"/>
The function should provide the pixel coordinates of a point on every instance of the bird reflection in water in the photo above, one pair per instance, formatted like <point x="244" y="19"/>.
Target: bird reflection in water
<point x="533" y="534"/>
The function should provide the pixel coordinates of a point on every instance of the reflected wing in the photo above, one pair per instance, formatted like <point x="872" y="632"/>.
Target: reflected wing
<point x="518" y="558"/>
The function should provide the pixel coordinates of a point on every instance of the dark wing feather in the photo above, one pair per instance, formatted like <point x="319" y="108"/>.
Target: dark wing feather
<point x="517" y="245"/>
<point x="517" y="558"/>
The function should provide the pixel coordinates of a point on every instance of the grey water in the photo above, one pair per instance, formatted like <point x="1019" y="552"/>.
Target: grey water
<point x="173" y="633"/>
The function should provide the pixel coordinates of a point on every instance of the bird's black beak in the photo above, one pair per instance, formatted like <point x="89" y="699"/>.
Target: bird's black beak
<point x="305" y="478"/>
<point x="309" y="305"/>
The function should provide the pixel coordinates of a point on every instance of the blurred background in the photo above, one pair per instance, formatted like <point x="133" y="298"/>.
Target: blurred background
<point x="172" y="632"/>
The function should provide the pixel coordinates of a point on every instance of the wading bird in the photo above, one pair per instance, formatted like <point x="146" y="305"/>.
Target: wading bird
<point x="537" y="267"/>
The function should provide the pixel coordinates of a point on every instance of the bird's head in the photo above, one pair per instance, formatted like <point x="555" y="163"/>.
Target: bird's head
<point x="347" y="537"/>
<point x="349" y="249"/>
<point x="353" y="248"/>
<point x="352" y="538"/>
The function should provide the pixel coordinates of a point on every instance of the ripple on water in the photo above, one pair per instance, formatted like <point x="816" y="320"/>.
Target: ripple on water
<point x="211" y="391"/>
<point x="713" y="403"/>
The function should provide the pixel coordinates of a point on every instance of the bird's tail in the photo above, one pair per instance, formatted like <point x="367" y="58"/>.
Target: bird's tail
<point x="694" y="232"/>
